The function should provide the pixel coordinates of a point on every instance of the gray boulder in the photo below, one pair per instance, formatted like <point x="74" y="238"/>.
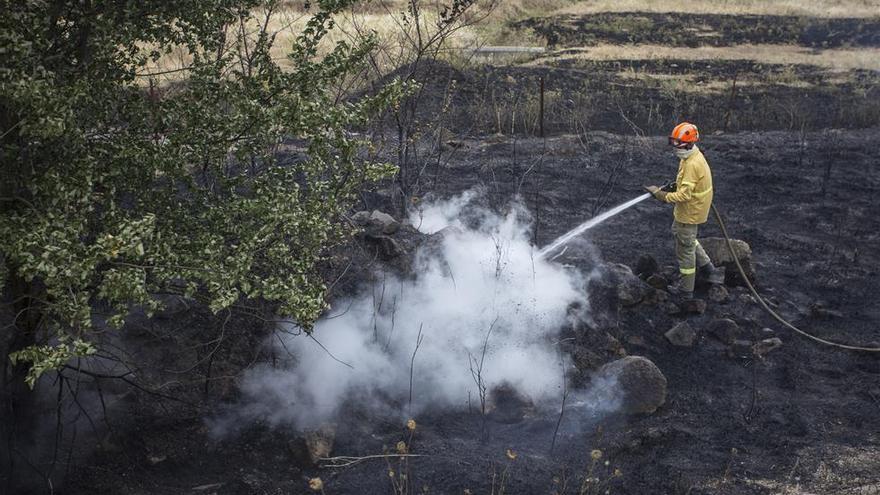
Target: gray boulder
<point x="361" y="218"/>
<point x="718" y="294"/>
<point x="584" y="359"/>
<point x="381" y="222"/>
<point x="433" y="244"/>
<point x="669" y="307"/>
<point x="767" y="345"/>
<point x="505" y="404"/>
<point x="716" y="248"/>
<point x="629" y="288"/>
<point x="658" y="281"/>
<point x="681" y="335"/>
<point x="725" y="330"/>
<point x="387" y="248"/>
<point x="741" y="348"/>
<point x="646" y="266"/>
<point x="693" y="306"/>
<point x="636" y="382"/>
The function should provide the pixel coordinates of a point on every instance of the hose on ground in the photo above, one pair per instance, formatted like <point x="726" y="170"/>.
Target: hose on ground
<point x="767" y="307"/>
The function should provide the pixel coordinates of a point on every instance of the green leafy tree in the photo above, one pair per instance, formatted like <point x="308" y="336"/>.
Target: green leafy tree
<point x="113" y="189"/>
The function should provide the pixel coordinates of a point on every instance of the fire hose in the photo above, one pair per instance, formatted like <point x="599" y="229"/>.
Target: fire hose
<point x="767" y="307"/>
<point x="670" y="187"/>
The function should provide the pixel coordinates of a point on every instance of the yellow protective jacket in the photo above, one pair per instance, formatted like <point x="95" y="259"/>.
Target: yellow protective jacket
<point x="693" y="190"/>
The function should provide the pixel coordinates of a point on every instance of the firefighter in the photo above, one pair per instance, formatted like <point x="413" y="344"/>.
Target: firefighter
<point x="692" y="199"/>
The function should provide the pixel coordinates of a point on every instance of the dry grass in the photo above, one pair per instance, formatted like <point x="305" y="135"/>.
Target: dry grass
<point x="384" y="18"/>
<point x="516" y="9"/>
<point x="812" y="8"/>
<point x="833" y="59"/>
<point x="691" y="83"/>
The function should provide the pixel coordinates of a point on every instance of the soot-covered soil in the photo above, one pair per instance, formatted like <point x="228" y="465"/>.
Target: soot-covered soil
<point x="687" y="29"/>
<point x="616" y="95"/>
<point x="803" y="418"/>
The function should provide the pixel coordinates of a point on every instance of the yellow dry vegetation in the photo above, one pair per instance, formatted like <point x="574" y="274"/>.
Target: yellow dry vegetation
<point x="385" y="18"/>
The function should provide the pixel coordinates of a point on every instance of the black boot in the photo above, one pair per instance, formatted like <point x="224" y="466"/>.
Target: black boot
<point x="680" y="290"/>
<point x="711" y="274"/>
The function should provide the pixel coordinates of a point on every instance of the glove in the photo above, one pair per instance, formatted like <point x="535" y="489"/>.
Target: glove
<point x="656" y="192"/>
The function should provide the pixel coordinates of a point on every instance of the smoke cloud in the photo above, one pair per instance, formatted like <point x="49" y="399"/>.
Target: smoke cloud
<point x="481" y="302"/>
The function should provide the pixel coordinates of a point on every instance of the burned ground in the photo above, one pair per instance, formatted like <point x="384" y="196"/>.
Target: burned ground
<point x="648" y="95"/>
<point x="688" y="29"/>
<point x="801" y="417"/>
<point x="794" y="153"/>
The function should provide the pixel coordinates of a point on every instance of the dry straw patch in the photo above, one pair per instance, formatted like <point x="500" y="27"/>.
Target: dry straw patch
<point x="385" y="18"/>
<point x="285" y="24"/>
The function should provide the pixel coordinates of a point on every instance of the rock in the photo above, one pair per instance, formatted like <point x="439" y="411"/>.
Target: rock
<point x="630" y="289"/>
<point x="681" y="335"/>
<point x="741" y="349"/>
<point x="386" y="247"/>
<point x="433" y="244"/>
<point x="209" y="486"/>
<point x="693" y="306"/>
<point x="381" y="222"/>
<point x="718" y="294"/>
<point x="646" y="266"/>
<point x="361" y="218"/>
<point x="716" y="248"/>
<point x="636" y="382"/>
<point x="747" y="299"/>
<point x="614" y="286"/>
<point x="725" y="330"/>
<point x="655" y="296"/>
<point x="669" y="307"/>
<point x="658" y="281"/>
<point x="819" y="311"/>
<point x="505" y="404"/>
<point x="767" y="345"/>
<point x="313" y="444"/>
<point x="585" y="359"/>
<point x="636" y="340"/>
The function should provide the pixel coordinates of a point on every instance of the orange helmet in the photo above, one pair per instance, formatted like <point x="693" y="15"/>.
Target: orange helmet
<point x="684" y="135"/>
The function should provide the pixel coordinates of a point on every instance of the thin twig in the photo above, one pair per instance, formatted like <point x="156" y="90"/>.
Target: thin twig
<point x="411" y="366"/>
<point x="345" y="461"/>
<point x="328" y="352"/>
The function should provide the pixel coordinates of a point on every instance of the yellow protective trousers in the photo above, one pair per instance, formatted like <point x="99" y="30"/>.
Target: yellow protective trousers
<point x="689" y="252"/>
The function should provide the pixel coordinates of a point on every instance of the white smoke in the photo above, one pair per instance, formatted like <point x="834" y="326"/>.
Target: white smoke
<point x="481" y="287"/>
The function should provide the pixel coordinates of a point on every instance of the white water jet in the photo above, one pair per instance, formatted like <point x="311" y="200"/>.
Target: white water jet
<point x="580" y="229"/>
